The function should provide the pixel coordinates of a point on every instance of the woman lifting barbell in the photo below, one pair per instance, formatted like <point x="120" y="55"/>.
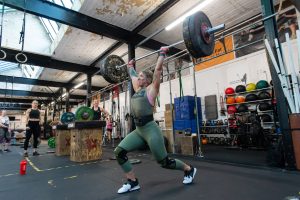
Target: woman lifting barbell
<point x="146" y="85"/>
<point x="33" y="127"/>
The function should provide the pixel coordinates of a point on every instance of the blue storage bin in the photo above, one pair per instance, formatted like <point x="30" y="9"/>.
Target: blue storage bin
<point x="177" y="112"/>
<point x="183" y="99"/>
<point x="179" y="124"/>
<point x="184" y="108"/>
<point x="187" y="109"/>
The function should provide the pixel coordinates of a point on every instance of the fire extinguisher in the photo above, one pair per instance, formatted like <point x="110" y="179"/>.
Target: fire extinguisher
<point x="23" y="165"/>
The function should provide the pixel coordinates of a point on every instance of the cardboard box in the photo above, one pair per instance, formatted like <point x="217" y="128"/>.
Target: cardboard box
<point x="177" y="144"/>
<point x="168" y="106"/>
<point x="168" y="119"/>
<point x="168" y="133"/>
<point x="189" y="145"/>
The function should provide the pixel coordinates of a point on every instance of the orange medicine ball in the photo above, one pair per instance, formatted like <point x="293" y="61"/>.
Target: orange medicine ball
<point x="230" y="100"/>
<point x="204" y="140"/>
<point x="240" y="99"/>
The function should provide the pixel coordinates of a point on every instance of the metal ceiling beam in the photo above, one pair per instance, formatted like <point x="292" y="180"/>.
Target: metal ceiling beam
<point x="67" y="16"/>
<point x="4" y="105"/>
<point x="34" y="94"/>
<point x="29" y="101"/>
<point x="75" y="77"/>
<point x="47" y="61"/>
<point x="14" y="108"/>
<point x="30" y="81"/>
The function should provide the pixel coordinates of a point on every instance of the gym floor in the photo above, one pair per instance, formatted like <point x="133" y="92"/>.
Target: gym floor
<point x="52" y="177"/>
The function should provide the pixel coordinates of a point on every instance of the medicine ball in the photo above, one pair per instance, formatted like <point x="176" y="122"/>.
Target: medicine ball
<point x="231" y="110"/>
<point x="264" y="95"/>
<point x="240" y="88"/>
<point x="266" y="118"/>
<point x="250" y="87"/>
<point x="264" y="106"/>
<point x="240" y="99"/>
<point x="204" y="140"/>
<point x="242" y="108"/>
<point x="229" y="90"/>
<point x="262" y="84"/>
<point x="230" y="100"/>
<point x="251" y="97"/>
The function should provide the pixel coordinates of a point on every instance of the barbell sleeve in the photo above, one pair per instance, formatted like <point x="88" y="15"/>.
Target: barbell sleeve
<point x="216" y="29"/>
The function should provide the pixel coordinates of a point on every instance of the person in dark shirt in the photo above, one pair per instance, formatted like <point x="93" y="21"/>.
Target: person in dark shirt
<point x="98" y="111"/>
<point x="33" y="127"/>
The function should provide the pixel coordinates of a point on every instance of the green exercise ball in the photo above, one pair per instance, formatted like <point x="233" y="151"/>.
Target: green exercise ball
<point x="51" y="142"/>
<point x="262" y="84"/>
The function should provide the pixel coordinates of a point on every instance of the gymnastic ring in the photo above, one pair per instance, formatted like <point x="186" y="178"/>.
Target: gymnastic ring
<point x="4" y="54"/>
<point x="18" y="59"/>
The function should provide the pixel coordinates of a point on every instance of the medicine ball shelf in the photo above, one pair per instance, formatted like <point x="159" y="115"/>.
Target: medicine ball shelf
<point x="249" y="102"/>
<point x="217" y="126"/>
<point x="266" y="111"/>
<point x="248" y="92"/>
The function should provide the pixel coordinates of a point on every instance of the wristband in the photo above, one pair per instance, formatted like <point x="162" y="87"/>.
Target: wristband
<point x="162" y="54"/>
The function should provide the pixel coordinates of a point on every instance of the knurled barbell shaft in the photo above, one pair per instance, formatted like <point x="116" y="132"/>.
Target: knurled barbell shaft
<point x="167" y="60"/>
<point x="211" y="30"/>
<point x="150" y="54"/>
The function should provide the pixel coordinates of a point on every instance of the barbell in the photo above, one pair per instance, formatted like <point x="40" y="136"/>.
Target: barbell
<point x="198" y="36"/>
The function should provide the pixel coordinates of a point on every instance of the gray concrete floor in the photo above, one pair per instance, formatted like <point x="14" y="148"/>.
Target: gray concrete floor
<point x="52" y="177"/>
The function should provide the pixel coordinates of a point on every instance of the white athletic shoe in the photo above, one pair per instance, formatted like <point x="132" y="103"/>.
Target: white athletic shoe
<point x="189" y="176"/>
<point x="129" y="186"/>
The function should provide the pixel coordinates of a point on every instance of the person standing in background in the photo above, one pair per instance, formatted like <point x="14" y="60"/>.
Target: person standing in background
<point x="109" y="125"/>
<point x="34" y="122"/>
<point x="4" y="131"/>
<point x="98" y="110"/>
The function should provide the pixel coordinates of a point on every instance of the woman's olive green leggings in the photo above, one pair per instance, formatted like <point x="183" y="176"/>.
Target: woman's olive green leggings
<point x="152" y="135"/>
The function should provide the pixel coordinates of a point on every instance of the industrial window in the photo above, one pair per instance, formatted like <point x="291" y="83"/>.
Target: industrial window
<point x="51" y="26"/>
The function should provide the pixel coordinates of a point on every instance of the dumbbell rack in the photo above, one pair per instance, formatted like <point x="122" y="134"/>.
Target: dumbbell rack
<point x="211" y="132"/>
<point x="265" y="125"/>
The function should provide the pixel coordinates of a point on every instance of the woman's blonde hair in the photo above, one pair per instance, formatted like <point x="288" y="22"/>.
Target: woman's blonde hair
<point x="149" y="75"/>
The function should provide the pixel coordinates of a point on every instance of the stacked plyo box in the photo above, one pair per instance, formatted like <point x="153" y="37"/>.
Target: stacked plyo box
<point x="168" y="131"/>
<point x="185" y="121"/>
<point x="185" y="113"/>
<point x="168" y="116"/>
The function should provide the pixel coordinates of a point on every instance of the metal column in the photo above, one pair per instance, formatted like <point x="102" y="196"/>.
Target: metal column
<point x="282" y="108"/>
<point x="131" y="55"/>
<point x="67" y="99"/>
<point x="88" y="89"/>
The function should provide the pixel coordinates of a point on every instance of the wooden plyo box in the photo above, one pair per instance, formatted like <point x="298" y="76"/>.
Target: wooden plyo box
<point x="177" y="145"/>
<point x="189" y="145"/>
<point x="168" y="119"/>
<point x="86" y="144"/>
<point x="63" y="141"/>
<point x="168" y="133"/>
